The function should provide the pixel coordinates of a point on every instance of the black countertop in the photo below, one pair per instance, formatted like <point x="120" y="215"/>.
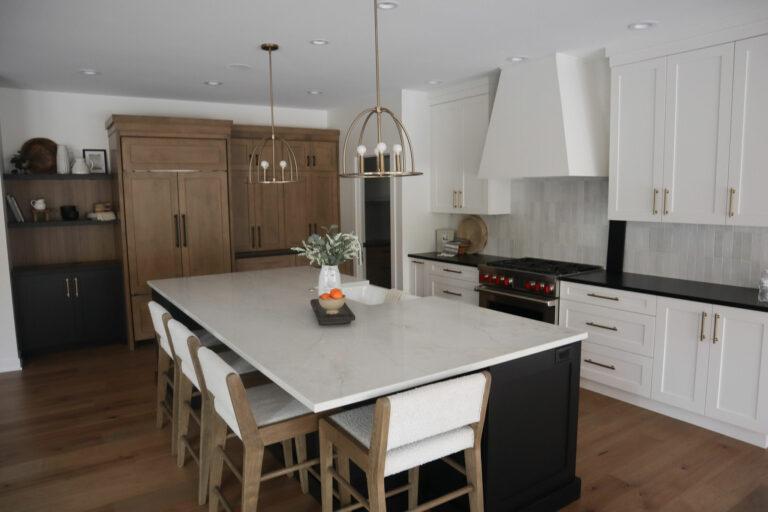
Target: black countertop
<point x="720" y="294"/>
<point x="468" y="260"/>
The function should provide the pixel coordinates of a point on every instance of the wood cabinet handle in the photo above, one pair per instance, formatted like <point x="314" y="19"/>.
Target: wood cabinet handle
<point x="601" y="326"/>
<point x="666" y="200"/>
<point x="176" y="229"/>
<point x="601" y="365"/>
<point x="731" y="193"/>
<point x="77" y="289"/>
<point x="308" y="164"/>
<point x="598" y="296"/>
<point x="714" y="330"/>
<point x="309" y="229"/>
<point x="66" y="280"/>
<point x="253" y="236"/>
<point x="451" y="293"/>
<point x="315" y="226"/>
<point x="314" y="161"/>
<point x="184" y="228"/>
<point x="655" y="197"/>
<point x="259" y="234"/>
<point x="703" y="336"/>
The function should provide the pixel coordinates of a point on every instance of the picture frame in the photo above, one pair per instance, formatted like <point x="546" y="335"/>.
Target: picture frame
<point x="96" y="160"/>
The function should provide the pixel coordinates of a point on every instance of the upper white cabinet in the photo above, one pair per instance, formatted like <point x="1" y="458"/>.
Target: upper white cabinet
<point x="748" y="174"/>
<point x="688" y="137"/>
<point x="459" y="122"/>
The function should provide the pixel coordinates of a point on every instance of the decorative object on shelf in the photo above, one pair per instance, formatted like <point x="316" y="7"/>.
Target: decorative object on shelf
<point x="62" y="159"/>
<point x="329" y="251"/>
<point x="102" y="216"/>
<point x="40" y="211"/>
<point x="13" y="206"/>
<point x="343" y="316"/>
<point x="402" y="166"/>
<point x="19" y="163"/>
<point x="287" y="169"/>
<point x="40" y="153"/>
<point x="96" y="159"/>
<point x="102" y="207"/>
<point x="762" y="295"/>
<point x="69" y="212"/>
<point x="475" y="230"/>
<point x="80" y="166"/>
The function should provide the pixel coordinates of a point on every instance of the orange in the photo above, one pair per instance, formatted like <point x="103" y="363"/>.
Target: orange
<point x="325" y="296"/>
<point x="336" y="294"/>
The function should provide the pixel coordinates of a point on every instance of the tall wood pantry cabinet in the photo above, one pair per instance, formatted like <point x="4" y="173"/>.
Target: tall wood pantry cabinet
<point x="173" y="176"/>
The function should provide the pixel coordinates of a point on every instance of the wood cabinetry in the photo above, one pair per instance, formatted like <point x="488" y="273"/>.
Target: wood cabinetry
<point x="170" y="154"/>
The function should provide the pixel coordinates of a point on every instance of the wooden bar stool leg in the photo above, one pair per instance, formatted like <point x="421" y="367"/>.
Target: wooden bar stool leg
<point x="326" y="465"/>
<point x="252" y="462"/>
<point x="301" y="456"/>
<point x="218" y="439"/>
<point x="474" y="470"/>
<point x="175" y="407"/>
<point x="377" y="500"/>
<point x="163" y="365"/>
<point x="413" y="490"/>
<point x="206" y="415"/>
<point x="185" y="395"/>
<point x="342" y="463"/>
<point x="288" y="455"/>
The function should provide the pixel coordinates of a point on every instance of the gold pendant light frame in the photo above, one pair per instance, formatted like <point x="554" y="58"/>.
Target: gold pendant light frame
<point x="403" y="166"/>
<point x="289" y="169"/>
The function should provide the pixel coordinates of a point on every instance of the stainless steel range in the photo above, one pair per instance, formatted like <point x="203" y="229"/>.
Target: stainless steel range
<point x="528" y="287"/>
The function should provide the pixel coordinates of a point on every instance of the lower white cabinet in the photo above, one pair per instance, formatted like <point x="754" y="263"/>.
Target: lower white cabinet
<point x="737" y="391"/>
<point x="447" y="280"/>
<point x="616" y="368"/>
<point x="419" y="285"/>
<point x="453" y="289"/>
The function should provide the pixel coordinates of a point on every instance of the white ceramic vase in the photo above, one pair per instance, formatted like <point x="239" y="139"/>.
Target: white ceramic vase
<point x="330" y="278"/>
<point x="80" y="167"/>
<point x="62" y="159"/>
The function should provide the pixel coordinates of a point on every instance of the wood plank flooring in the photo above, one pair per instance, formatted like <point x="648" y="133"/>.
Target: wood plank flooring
<point x="77" y="434"/>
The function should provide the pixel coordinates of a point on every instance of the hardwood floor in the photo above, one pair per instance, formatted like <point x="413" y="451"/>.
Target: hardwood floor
<point x="77" y="434"/>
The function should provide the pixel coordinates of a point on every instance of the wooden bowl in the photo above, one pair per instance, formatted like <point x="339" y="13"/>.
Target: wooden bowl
<point x="332" y="306"/>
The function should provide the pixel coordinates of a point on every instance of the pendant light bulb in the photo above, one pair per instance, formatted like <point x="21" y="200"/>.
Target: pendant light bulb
<point x="264" y="165"/>
<point x="361" y="150"/>
<point x="381" y="148"/>
<point x="283" y="164"/>
<point x="397" y="148"/>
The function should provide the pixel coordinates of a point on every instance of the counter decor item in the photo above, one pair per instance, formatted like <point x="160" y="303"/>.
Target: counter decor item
<point x="342" y="316"/>
<point x="96" y="160"/>
<point x="762" y="295"/>
<point x="328" y="252"/>
<point x="69" y="212"/>
<point x="443" y="236"/>
<point x="40" y="153"/>
<point x="332" y="301"/>
<point x="80" y="166"/>
<point x="473" y="229"/>
<point x="62" y="159"/>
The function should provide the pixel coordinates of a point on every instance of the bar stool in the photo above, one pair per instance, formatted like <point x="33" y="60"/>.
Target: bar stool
<point x="166" y="362"/>
<point x="402" y="432"/>
<point x="259" y="416"/>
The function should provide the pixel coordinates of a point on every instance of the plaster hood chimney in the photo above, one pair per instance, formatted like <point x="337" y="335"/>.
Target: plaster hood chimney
<point x="550" y="118"/>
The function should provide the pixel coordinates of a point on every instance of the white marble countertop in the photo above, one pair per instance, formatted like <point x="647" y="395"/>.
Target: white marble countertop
<point x="266" y="318"/>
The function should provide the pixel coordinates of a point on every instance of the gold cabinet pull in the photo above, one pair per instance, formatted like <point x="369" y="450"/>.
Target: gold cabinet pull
<point x="731" y="193"/>
<point x="461" y="199"/>
<point x="655" y="197"/>
<point x="666" y="200"/>
<point x="77" y="289"/>
<point x="454" y="199"/>
<point x="714" y="331"/>
<point x="703" y="336"/>
<point x="66" y="280"/>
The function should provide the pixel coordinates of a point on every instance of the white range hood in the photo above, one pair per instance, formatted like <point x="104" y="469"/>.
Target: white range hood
<point x="550" y="118"/>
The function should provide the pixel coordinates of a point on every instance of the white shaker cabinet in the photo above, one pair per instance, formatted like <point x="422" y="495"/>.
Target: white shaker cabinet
<point x="681" y="353"/>
<point x="445" y="120"/>
<point x="637" y="140"/>
<point x="738" y="368"/>
<point x="419" y="278"/>
<point x="697" y="135"/>
<point x="748" y="174"/>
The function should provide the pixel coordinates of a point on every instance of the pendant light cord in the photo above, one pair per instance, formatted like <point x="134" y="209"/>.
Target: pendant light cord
<point x="378" y="71"/>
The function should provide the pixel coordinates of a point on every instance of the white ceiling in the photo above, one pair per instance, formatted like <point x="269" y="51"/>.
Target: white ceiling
<point x="168" y="48"/>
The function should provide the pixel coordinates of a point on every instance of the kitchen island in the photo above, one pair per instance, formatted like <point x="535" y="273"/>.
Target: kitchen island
<point x="529" y="445"/>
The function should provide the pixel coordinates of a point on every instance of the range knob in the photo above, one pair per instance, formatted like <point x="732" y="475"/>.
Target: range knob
<point x="549" y="289"/>
<point x="495" y="279"/>
<point x="484" y="278"/>
<point x="507" y="281"/>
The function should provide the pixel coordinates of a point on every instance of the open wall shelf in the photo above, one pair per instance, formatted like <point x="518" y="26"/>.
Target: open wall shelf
<point x="59" y="223"/>
<point x="56" y="177"/>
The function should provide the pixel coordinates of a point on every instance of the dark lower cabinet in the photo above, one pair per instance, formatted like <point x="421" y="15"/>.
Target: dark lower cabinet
<point x="66" y="306"/>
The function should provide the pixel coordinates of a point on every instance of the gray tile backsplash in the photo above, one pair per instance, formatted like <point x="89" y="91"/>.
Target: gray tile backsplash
<point x="566" y="219"/>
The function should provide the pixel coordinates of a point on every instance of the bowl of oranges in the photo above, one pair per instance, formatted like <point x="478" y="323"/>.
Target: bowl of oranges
<point x="332" y="301"/>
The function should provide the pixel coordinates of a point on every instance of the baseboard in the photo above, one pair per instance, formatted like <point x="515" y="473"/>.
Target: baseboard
<point x="725" y="429"/>
<point x="10" y="364"/>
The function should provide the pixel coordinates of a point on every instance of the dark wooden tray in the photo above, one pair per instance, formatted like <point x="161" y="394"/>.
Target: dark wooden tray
<point x="343" y="317"/>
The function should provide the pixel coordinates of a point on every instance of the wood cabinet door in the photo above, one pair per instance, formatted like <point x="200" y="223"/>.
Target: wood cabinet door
<point x="748" y="173"/>
<point x="44" y="305"/>
<point x="681" y="356"/>
<point x="100" y="308"/>
<point x="637" y="141"/>
<point x="239" y="154"/>
<point x="298" y="225"/>
<point x="268" y="220"/>
<point x="240" y="204"/>
<point x="697" y="135"/>
<point x="446" y="166"/>
<point x="324" y="200"/>
<point x="324" y="156"/>
<point x="204" y="210"/>
<point x="737" y="392"/>
<point x="152" y="228"/>
<point x="170" y="154"/>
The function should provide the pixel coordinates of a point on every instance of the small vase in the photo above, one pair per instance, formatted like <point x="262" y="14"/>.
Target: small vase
<point x="62" y="159"/>
<point x="330" y="278"/>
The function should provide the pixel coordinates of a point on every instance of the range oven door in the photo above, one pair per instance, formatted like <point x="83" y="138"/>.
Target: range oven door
<point x="542" y="309"/>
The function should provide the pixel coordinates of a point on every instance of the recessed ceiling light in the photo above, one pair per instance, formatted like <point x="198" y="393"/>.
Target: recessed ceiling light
<point x="641" y="25"/>
<point x="516" y="58"/>
<point x="434" y="82"/>
<point x="213" y="83"/>
<point x="240" y="66"/>
<point x="388" y="5"/>
<point x="89" y="72"/>
<point x="319" y="42"/>
<point x="314" y="92"/>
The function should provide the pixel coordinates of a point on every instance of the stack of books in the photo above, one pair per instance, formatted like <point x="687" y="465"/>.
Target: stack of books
<point x="13" y="208"/>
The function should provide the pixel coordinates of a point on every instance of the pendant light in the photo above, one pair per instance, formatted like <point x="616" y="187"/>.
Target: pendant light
<point x="270" y="170"/>
<point x="399" y="166"/>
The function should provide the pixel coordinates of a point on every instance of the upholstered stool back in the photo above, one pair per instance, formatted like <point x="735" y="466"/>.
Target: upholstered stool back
<point x="156" y="311"/>
<point x="179" y="336"/>
<point x="215" y="372"/>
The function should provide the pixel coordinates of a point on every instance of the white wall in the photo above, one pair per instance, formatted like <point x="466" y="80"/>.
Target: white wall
<point x="77" y="120"/>
<point x="9" y="357"/>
